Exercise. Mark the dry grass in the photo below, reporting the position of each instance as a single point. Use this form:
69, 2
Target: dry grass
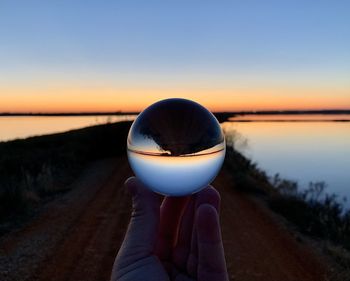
37, 168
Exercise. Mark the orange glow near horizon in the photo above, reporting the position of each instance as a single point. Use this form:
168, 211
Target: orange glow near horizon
104, 99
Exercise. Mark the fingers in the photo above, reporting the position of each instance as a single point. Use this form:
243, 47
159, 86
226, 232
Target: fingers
171, 212
211, 259
209, 196
139, 241
183, 244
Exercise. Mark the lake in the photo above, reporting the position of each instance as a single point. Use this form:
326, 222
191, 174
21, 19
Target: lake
301, 148
15, 127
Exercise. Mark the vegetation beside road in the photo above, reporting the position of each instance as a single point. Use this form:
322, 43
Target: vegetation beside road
37, 168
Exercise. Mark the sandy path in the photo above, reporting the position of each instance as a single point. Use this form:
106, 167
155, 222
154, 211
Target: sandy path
77, 236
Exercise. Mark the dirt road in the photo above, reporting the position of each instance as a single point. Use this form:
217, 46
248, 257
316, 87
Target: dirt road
77, 236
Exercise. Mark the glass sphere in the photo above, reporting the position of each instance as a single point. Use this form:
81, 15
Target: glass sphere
176, 147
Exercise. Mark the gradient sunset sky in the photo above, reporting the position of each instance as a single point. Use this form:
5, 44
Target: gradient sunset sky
124, 55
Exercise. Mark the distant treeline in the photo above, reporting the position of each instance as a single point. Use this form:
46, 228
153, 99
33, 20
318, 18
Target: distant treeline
117, 113
219, 113
293, 112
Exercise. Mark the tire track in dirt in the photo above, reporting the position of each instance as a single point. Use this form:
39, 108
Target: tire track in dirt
89, 250
27, 253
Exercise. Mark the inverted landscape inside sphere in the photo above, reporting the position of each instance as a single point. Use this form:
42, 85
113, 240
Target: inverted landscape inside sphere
177, 127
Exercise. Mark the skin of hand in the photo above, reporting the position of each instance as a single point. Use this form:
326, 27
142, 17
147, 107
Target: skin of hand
177, 238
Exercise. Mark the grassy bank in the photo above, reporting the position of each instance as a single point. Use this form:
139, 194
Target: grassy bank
35, 169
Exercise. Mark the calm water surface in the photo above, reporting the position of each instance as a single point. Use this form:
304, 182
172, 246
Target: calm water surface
309, 150
26, 126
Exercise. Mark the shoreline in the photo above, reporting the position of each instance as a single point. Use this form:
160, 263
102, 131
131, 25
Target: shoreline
221, 117
291, 120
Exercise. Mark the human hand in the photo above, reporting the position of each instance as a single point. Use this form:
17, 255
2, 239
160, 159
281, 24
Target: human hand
178, 239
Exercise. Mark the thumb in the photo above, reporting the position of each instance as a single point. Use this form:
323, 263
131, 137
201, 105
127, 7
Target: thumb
141, 235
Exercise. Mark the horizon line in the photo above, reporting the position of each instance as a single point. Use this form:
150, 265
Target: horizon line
87, 113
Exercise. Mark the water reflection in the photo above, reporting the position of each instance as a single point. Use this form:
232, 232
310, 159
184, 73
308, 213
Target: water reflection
291, 118
12, 127
301, 151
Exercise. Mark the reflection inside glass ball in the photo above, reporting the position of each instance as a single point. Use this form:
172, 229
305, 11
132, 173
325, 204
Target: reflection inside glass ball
176, 147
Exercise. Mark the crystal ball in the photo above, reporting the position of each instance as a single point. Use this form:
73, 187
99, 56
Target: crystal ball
176, 147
